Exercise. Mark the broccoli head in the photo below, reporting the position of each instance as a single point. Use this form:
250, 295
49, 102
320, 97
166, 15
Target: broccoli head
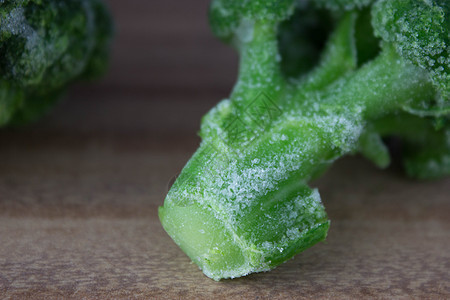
45, 45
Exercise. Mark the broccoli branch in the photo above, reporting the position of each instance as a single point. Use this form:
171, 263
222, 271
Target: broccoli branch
242, 203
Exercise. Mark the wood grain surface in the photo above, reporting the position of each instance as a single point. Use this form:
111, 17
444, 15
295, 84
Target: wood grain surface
79, 190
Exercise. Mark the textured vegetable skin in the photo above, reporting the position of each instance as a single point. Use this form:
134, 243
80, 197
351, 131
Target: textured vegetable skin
44, 46
242, 204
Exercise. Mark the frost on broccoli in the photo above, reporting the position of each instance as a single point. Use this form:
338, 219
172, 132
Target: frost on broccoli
419, 31
242, 203
45, 45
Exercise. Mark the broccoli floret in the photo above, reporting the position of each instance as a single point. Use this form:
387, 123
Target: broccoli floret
45, 45
419, 31
242, 203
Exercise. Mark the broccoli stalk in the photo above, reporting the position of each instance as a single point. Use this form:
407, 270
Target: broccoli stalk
242, 202
44, 46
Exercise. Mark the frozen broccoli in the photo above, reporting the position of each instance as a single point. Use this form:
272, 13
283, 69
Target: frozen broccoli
44, 46
242, 202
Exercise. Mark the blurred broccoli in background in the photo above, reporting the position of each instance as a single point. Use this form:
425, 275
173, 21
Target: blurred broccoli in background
44, 46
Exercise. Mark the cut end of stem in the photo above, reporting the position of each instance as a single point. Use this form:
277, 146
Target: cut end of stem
224, 249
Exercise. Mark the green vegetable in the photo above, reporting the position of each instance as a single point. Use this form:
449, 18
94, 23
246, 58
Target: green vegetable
44, 46
242, 203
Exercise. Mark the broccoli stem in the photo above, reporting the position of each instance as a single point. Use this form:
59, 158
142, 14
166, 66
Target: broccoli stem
426, 149
259, 69
383, 86
242, 203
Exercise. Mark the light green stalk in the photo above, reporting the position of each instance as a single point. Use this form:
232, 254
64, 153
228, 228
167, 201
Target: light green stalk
242, 203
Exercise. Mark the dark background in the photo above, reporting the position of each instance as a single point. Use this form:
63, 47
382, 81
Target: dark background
166, 70
79, 189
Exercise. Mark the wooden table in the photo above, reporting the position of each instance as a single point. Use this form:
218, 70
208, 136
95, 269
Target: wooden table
79, 190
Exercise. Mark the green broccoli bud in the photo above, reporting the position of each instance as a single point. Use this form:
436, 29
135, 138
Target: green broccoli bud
242, 203
46, 44
420, 32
